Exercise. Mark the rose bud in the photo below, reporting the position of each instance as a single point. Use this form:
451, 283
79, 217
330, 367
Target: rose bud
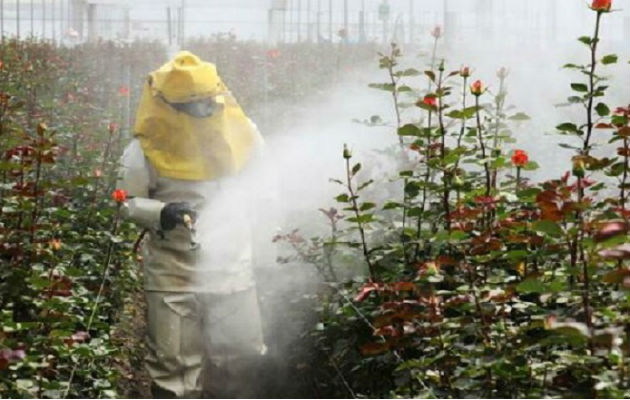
601, 5
520, 158
477, 88
119, 195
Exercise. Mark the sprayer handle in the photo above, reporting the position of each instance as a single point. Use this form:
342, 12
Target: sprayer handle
177, 213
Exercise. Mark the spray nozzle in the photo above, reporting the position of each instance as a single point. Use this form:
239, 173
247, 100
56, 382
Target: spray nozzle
188, 221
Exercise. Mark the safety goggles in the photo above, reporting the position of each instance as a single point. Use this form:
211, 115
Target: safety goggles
198, 109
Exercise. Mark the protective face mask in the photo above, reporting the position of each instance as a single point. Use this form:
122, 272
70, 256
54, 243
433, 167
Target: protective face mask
197, 109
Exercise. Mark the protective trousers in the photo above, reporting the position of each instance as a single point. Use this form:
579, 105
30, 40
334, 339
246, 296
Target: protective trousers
201, 343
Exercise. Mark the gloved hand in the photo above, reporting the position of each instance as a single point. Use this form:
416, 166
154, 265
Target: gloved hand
177, 213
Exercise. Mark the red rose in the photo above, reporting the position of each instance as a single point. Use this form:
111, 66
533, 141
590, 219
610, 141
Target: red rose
520, 158
430, 101
119, 195
601, 5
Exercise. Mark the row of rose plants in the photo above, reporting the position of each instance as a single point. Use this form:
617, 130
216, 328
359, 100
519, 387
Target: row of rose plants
68, 269
479, 282
66, 264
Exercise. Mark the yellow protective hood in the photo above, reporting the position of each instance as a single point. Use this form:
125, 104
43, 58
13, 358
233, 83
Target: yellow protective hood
180, 146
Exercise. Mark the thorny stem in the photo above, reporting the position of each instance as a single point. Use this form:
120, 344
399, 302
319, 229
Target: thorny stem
624, 180
357, 214
394, 82
403, 237
500, 102
579, 252
473, 292
328, 250
572, 260
461, 131
483, 146
38, 172
580, 190
445, 197
427, 177
591, 76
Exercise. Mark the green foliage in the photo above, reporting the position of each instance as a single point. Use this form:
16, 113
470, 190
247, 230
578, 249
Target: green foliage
58, 167
478, 282
65, 114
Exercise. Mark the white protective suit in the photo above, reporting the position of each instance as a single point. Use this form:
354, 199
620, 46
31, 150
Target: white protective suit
204, 325
198, 307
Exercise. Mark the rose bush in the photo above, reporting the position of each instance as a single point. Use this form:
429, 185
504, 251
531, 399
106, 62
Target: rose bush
476, 282
69, 274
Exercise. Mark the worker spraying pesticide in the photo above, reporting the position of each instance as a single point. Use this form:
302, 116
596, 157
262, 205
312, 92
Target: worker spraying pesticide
191, 137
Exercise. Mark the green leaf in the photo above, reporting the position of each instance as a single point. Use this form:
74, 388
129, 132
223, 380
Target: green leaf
390, 205
586, 40
617, 169
579, 87
362, 219
619, 120
610, 59
455, 114
365, 184
409, 130
567, 127
388, 87
531, 166
602, 109
466, 113
408, 72
521, 116
548, 227
576, 332
531, 285
415, 212
356, 168
367, 206
430, 74
343, 198
412, 189
517, 255
457, 236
